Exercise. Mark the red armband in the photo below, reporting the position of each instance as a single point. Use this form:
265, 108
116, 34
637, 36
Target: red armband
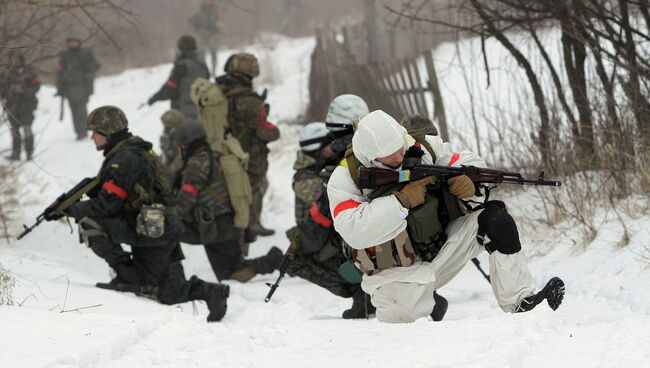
345, 205
194, 191
112, 188
318, 217
171, 84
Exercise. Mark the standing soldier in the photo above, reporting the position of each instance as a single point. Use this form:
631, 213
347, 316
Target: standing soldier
18, 87
247, 120
187, 67
75, 81
205, 208
133, 204
206, 25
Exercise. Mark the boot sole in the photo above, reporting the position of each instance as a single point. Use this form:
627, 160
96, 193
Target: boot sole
440, 308
225, 293
555, 293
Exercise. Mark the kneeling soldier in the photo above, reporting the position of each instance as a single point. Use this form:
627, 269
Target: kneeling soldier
132, 204
206, 210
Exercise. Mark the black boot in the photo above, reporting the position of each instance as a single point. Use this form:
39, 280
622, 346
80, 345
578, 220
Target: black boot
361, 306
267, 263
125, 280
553, 292
29, 146
249, 236
215, 296
15, 148
440, 308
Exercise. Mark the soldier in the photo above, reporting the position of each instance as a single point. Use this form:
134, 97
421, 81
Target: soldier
171, 119
75, 81
206, 25
132, 204
387, 227
247, 120
18, 87
187, 67
206, 211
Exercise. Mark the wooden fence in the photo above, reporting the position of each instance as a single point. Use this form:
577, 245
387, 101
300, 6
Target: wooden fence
399, 87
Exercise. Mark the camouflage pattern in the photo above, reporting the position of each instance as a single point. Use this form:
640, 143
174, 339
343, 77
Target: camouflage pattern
187, 67
18, 87
307, 184
243, 63
323, 273
170, 119
75, 82
247, 120
107, 120
418, 125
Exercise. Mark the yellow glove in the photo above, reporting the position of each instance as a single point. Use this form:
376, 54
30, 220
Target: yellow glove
461, 186
412, 195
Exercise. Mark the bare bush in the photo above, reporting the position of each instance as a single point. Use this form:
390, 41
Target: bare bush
7, 284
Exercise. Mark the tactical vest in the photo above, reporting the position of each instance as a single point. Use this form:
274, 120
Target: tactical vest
425, 227
193, 69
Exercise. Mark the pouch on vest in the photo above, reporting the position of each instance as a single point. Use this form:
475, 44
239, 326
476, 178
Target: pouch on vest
233, 161
426, 229
397, 252
206, 224
151, 221
350, 272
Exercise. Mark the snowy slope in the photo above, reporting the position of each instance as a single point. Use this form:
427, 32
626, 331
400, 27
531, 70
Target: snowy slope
603, 322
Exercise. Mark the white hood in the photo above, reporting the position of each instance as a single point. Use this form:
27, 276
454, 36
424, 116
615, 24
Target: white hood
378, 135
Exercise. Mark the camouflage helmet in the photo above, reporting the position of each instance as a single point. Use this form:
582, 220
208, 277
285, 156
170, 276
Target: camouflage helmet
107, 120
172, 118
186, 43
188, 132
418, 124
244, 63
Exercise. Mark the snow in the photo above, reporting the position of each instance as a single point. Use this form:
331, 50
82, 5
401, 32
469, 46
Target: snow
604, 321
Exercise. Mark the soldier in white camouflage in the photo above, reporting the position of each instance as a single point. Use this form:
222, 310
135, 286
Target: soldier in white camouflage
204, 206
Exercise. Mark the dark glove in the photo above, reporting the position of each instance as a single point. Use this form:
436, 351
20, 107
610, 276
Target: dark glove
412, 195
461, 186
294, 238
53, 216
151, 100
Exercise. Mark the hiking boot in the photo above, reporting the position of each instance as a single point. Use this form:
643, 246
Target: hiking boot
361, 306
216, 299
440, 308
249, 236
258, 229
553, 292
118, 284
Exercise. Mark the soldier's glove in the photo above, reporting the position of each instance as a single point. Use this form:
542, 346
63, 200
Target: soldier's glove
294, 238
53, 216
151, 100
461, 186
412, 195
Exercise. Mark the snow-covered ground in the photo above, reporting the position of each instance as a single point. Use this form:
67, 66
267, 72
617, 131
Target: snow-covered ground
604, 320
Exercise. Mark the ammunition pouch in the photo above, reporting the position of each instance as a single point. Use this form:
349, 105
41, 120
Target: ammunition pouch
397, 252
426, 229
151, 221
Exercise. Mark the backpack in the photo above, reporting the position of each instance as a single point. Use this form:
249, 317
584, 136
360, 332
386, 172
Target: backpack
213, 106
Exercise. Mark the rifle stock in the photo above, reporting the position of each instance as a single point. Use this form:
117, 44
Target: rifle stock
62, 203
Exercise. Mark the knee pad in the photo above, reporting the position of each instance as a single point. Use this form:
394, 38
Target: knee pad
90, 228
497, 225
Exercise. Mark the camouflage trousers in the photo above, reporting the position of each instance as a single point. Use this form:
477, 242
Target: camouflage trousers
323, 273
259, 185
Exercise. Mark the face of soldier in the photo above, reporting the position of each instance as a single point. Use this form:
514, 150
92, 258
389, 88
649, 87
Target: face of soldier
325, 153
99, 139
73, 44
394, 160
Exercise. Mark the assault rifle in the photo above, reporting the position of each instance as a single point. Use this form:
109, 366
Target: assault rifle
63, 202
274, 286
372, 178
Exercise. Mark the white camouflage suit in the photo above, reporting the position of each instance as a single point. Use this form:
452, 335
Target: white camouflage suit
404, 294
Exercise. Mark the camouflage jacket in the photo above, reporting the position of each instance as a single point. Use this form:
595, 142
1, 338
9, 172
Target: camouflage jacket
18, 87
201, 189
307, 185
128, 178
247, 119
187, 68
76, 73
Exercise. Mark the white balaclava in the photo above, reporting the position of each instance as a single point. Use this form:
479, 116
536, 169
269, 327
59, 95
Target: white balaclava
378, 135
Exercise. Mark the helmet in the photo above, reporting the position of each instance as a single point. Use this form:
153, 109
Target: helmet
186, 43
172, 118
244, 63
343, 110
107, 120
419, 124
188, 132
314, 136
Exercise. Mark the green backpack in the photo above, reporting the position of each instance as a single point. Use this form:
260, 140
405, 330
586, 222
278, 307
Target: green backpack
212, 105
